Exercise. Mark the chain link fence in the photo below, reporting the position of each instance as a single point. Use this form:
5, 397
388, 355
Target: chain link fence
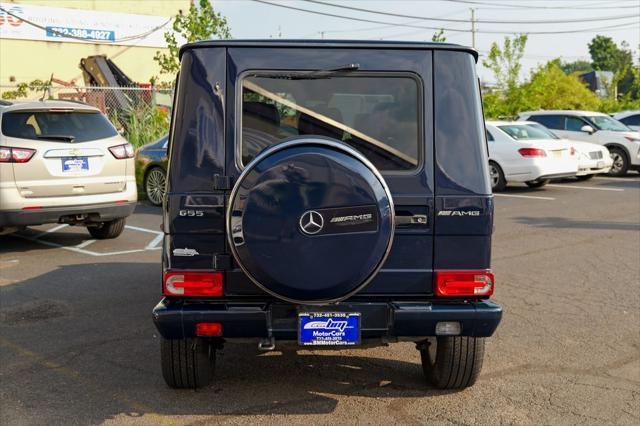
140, 113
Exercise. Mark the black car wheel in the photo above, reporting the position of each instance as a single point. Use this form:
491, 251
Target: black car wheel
107, 230
187, 363
155, 185
498, 182
537, 183
620, 162
452, 362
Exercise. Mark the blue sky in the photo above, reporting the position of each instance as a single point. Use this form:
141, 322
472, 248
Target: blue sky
250, 19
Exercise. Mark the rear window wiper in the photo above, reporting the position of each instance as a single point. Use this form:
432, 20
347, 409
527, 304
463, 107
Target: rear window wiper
66, 138
310, 75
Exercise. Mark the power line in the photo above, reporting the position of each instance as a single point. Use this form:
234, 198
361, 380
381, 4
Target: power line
587, 6
333, 15
479, 21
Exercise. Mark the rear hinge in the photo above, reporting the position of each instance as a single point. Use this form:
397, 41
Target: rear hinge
221, 262
222, 183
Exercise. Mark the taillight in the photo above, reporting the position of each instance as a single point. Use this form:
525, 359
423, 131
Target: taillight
209, 329
193, 283
122, 151
15, 155
573, 151
464, 283
532, 152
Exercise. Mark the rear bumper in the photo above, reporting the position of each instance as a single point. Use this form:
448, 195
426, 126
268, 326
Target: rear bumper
93, 212
176, 319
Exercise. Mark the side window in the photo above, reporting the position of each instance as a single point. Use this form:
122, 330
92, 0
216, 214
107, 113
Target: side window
549, 121
632, 120
490, 136
574, 124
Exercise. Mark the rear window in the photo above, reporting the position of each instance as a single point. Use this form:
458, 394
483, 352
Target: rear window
67, 126
525, 131
632, 120
379, 115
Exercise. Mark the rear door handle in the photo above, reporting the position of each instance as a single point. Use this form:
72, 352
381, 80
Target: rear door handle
411, 220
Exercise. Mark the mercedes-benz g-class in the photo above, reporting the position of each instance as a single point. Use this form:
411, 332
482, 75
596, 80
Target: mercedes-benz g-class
330, 194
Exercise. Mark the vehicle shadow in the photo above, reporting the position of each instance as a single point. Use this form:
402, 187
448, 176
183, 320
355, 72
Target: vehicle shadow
563, 222
85, 331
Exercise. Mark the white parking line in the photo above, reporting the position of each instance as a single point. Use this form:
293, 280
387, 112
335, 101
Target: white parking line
533, 197
54, 229
585, 187
85, 243
80, 248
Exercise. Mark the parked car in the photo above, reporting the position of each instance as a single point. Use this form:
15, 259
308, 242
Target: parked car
631, 119
593, 159
622, 142
346, 202
63, 162
524, 152
151, 169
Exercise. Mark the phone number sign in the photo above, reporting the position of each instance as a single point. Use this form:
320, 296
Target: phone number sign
84, 33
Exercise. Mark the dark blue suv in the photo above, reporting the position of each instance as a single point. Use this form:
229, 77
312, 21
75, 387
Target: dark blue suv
330, 195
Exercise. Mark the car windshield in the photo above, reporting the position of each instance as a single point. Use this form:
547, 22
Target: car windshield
62, 126
526, 131
544, 129
377, 115
604, 122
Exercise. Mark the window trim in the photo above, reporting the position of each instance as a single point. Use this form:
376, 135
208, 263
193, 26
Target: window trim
406, 74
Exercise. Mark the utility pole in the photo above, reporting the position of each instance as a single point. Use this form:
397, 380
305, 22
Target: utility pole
473, 27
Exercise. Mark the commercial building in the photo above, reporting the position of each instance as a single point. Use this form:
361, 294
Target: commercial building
39, 38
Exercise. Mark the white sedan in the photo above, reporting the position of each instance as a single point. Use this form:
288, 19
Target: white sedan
593, 159
521, 152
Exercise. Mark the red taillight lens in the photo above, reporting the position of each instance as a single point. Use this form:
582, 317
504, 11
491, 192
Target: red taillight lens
532, 152
15, 155
122, 151
209, 329
191, 283
464, 283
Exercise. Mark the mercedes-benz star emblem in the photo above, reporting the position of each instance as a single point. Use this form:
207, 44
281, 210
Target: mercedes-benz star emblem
311, 222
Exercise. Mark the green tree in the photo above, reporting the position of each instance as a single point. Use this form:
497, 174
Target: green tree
580, 66
439, 36
607, 56
507, 98
200, 23
505, 61
550, 88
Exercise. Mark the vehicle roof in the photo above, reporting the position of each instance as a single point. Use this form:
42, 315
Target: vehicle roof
505, 123
328, 44
564, 111
45, 104
623, 114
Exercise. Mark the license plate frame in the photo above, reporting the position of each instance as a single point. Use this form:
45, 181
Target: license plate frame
329, 328
75, 164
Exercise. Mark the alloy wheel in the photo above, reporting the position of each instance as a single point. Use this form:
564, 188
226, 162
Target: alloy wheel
155, 186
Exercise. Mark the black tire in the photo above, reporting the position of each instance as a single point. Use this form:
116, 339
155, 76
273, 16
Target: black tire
107, 230
537, 183
584, 177
454, 363
187, 363
620, 162
155, 183
496, 176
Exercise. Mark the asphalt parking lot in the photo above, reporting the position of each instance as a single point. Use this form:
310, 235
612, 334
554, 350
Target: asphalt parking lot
77, 344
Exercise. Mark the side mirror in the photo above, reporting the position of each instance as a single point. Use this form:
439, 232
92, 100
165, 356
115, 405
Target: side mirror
587, 129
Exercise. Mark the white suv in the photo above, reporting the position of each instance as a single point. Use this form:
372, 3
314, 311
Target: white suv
622, 142
63, 162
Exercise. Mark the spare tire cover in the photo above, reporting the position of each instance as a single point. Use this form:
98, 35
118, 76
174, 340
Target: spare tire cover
310, 221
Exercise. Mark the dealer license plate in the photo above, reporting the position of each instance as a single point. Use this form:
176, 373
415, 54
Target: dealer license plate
329, 328
75, 164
